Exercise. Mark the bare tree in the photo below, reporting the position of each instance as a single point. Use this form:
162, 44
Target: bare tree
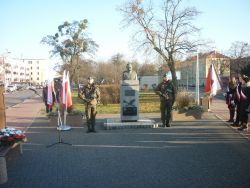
239, 49
169, 31
118, 64
103, 72
148, 69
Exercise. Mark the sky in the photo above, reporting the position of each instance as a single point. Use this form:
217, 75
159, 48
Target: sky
24, 24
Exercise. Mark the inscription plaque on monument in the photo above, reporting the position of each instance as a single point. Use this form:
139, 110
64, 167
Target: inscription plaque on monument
129, 111
129, 93
129, 100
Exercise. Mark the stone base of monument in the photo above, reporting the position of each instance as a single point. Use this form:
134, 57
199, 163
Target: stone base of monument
116, 123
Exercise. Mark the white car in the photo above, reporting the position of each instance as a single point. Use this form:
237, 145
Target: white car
11, 88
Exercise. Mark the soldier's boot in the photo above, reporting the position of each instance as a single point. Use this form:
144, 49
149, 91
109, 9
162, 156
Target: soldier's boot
242, 127
93, 126
163, 123
167, 123
89, 127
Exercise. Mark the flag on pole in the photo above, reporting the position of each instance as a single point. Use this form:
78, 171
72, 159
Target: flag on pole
212, 83
66, 91
63, 88
50, 91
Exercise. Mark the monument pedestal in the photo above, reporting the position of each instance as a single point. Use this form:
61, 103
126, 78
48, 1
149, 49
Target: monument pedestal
116, 123
129, 100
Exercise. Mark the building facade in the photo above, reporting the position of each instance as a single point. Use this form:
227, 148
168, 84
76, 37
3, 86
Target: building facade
31, 71
149, 82
188, 67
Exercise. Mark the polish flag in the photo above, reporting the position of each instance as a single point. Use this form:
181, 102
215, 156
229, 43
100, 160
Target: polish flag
212, 83
66, 91
51, 90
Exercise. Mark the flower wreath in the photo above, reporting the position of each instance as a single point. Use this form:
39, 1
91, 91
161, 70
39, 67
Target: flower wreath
10, 136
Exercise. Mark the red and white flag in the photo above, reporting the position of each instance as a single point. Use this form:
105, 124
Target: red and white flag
51, 90
66, 91
212, 83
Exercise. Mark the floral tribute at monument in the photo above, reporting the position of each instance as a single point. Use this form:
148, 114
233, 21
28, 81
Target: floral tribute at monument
10, 136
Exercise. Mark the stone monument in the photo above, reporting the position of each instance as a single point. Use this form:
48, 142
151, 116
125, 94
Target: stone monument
129, 95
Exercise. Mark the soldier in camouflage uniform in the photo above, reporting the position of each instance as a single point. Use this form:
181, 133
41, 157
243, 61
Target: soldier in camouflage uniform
91, 96
167, 97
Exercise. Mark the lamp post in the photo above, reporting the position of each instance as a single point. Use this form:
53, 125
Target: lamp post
187, 79
197, 76
2, 72
4, 56
197, 88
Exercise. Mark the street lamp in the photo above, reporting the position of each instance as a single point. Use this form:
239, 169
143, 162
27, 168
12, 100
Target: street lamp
197, 89
2, 67
197, 76
187, 78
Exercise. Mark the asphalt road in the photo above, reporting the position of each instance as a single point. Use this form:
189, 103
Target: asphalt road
188, 154
17, 97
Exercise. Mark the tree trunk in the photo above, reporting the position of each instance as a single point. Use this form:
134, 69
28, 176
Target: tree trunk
171, 65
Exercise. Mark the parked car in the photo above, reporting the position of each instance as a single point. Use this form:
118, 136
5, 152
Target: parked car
11, 88
32, 87
1, 83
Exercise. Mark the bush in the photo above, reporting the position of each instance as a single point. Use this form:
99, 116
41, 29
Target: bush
110, 94
183, 100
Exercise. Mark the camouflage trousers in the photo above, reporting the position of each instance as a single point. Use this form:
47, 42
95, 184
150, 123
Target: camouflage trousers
90, 112
166, 111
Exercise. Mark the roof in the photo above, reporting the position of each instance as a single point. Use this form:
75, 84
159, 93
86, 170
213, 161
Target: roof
211, 54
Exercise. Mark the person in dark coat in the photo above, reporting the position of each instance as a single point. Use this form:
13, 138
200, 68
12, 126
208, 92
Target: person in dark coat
231, 97
45, 99
237, 122
244, 101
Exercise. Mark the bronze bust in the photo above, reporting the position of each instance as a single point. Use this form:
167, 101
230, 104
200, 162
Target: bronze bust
129, 74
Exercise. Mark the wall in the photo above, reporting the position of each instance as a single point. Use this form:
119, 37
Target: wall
146, 82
